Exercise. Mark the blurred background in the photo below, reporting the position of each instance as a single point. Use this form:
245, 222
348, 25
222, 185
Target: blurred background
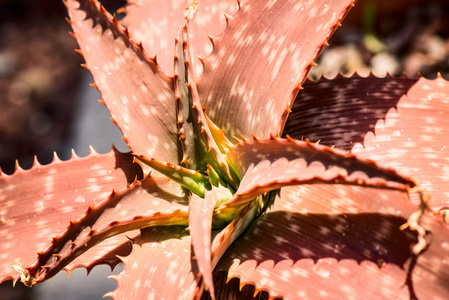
46, 104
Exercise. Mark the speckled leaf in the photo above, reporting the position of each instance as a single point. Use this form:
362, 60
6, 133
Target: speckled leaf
152, 202
257, 65
104, 253
266, 165
402, 123
341, 111
342, 243
155, 23
37, 204
223, 239
160, 267
199, 147
200, 228
140, 98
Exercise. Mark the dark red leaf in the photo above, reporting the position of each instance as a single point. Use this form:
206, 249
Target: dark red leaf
398, 122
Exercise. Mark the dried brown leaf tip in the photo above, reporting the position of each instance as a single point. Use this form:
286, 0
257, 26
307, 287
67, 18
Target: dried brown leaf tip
285, 216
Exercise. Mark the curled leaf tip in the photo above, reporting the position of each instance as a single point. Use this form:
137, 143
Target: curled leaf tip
25, 276
413, 222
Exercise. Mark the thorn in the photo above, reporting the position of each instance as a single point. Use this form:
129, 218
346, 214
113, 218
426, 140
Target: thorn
140, 46
237, 141
227, 18
211, 39
254, 136
35, 162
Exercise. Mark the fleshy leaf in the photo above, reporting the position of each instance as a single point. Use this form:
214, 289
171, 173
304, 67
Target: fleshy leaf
233, 230
200, 149
160, 266
191, 180
138, 95
105, 253
57, 195
141, 205
322, 237
259, 62
166, 17
402, 123
341, 111
265, 165
200, 220
200, 228
219, 136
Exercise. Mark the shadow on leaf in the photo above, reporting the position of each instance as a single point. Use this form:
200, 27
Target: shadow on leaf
340, 112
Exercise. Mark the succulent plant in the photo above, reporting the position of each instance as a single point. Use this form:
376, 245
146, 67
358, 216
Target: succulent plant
226, 155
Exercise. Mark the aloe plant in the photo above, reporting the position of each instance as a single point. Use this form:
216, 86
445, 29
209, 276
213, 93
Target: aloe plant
217, 186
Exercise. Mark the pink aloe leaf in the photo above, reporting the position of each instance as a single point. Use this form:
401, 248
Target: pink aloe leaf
56, 196
163, 18
321, 238
138, 95
263, 56
160, 266
341, 111
200, 228
234, 229
265, 165
152, 202
199, 147
105, 253
398, 122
